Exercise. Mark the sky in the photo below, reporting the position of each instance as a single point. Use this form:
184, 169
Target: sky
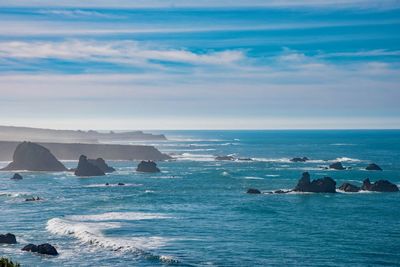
186, 64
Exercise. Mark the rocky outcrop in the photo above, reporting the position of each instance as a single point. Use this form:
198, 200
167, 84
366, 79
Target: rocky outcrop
224, 158
16, 176
85, 168
253, 191
373, 167
33, 157
147, 166
46, 249
336, 166
347, 187
379, 186
303, 159
33, 199
8, 239
100, 163
324, 185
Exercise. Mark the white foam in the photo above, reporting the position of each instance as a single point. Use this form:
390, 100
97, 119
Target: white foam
195, 157
346, 159
113, 185
225, 173
131, 216
253, 178
342, 144
272, 175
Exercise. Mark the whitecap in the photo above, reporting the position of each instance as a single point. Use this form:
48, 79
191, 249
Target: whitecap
272, 175
253, 178
112, 185
195, 157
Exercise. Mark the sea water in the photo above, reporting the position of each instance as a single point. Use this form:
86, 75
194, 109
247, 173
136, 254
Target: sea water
196, 211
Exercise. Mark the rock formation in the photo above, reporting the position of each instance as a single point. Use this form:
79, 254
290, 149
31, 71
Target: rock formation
8, 239
16, 176
347, 187
102, 165
85, 168
147, 166
324, 185
33, 157
46, 249
336, 166
379, 186
303, 159
373, 167
253, 191
224, 158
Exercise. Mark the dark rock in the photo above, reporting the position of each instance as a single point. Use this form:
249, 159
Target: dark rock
121, 184
8, 239
33, 157
336, 166
379, 186
107, 184
224, 158
303, 159
245, 159
253, 191
347, 187
147, 166
33, 199
100, 163
46, 249
16, 176
373, 167
85, 168
282, 191
324, 185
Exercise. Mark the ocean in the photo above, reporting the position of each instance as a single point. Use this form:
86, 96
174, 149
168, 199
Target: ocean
196, 211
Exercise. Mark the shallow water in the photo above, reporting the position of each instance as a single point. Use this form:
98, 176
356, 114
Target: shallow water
196, 211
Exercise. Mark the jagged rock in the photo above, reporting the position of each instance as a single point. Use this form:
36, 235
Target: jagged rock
347, 187
336, 166
147, 166
8, 239
280, 191
373, 167
324, 185
253, 191
303, 159
16, 176
224, 158
33, 157
33, 199
102, 165
46, 249
85, 168
379, 186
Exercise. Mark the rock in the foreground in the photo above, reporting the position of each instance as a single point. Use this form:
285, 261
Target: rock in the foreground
253, 191
85, 168
16, 176
147, 166
373, 167
379, 186
33, 157
324, 185
347, 187
100, 163
303, 159
46, 249
336, 166
8, 239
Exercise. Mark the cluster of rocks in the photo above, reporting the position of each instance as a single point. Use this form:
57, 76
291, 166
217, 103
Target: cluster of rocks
46, 248
147, 166
328, 185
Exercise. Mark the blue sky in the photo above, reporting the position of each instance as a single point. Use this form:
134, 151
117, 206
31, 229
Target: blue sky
200, 64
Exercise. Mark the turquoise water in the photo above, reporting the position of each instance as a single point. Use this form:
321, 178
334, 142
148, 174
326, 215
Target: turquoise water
196, 212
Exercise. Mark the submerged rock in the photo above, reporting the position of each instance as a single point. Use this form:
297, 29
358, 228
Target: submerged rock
280, 191
336, 166
373, 167
324, 185
245, 159
379, 186
46, 249
16, 176
253, 191
303, 159
33, 157
147, 166
85, 168
8, 239
347, 187
100, 163
33, 199
224, 158
121, 184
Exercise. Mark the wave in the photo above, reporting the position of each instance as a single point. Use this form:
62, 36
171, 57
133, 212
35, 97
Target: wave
253, 178
195, 157
112, 185
342, 144
272, 175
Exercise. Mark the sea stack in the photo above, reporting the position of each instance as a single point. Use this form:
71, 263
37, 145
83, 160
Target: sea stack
379, 186
85, 168
16, 176
324, 185
100, 163
8, 239
33, 157
373, 167
46, 249
147, 166
337, 166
